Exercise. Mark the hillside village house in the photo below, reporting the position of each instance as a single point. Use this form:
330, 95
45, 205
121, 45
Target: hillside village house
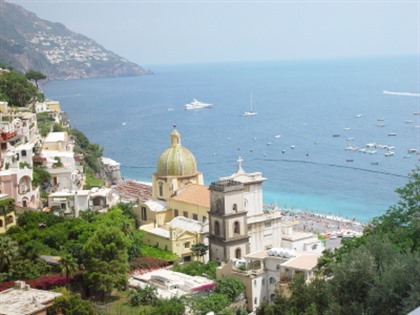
7, 213
23, 300
72, 202
57, 149
18, 137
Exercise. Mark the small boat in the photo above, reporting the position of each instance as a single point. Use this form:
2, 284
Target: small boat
358, 115
392, 134
380, 125
346, 128
336, 135
374, 163
350, 139
389, 153
197, 105
352, 148
349, 160
250, 112
124, 123
409, 121
277, 136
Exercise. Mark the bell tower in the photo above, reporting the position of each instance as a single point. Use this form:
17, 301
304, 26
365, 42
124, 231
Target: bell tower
228, 230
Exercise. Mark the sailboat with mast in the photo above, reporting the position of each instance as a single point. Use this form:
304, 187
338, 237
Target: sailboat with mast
251, 112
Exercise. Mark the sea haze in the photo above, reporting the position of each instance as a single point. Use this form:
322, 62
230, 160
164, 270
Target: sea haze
319, 108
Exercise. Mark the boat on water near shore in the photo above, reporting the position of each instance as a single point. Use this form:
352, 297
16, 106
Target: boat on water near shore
197, 105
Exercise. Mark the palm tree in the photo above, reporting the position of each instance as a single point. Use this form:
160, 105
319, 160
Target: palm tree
68, 265
8, 251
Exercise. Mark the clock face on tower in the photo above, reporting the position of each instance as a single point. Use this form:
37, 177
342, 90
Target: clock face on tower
245, 203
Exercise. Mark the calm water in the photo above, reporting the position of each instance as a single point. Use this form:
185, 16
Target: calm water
307, 103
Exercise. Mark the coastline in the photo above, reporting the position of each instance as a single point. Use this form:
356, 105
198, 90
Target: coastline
306, 221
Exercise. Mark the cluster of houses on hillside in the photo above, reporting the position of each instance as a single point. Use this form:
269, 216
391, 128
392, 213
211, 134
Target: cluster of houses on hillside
23, 149
251, 241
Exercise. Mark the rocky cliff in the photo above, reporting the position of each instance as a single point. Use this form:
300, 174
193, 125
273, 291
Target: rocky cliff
30, 43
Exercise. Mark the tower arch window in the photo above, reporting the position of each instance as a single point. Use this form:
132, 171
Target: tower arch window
161, 189
236, 227
238, 253
217, 228
235, 207
272, 280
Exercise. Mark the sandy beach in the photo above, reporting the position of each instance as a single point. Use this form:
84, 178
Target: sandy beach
327, 225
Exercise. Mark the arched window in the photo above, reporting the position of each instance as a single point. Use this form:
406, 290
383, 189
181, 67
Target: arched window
216, 228
238, 253
255, 301
236, 227
235, 207
278, 267
10, 219
272, 280
272, 297
1, 223
160, 189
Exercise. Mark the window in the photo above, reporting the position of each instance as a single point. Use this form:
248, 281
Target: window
236, 228
186, 214
272, 297
187, 244
10, 219
204, 218
278, 267
263, 281
176, 213
238, 253
267, 224
23, 152
255, 301
235, 207
272, 280
143, 213
1, 223
161, 189
216, 228
195, 216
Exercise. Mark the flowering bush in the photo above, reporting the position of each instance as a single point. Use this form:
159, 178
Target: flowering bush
43, 283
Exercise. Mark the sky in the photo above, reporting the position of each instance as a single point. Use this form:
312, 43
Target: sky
175, 32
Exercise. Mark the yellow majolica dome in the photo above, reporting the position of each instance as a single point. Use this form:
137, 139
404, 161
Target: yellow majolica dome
176, 160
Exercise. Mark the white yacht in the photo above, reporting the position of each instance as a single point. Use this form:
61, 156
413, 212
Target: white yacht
197, 105
251, 112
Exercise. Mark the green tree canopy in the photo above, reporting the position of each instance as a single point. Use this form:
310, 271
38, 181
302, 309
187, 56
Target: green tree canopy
71, 304
17, 90
229, 286
106, 260
36, 76
9, 250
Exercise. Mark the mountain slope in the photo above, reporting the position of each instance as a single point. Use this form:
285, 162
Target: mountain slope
30, 43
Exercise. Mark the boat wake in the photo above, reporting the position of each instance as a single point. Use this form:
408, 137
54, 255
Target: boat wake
402, 93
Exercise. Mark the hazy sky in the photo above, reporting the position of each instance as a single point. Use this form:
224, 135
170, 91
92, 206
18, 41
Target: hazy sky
160, 32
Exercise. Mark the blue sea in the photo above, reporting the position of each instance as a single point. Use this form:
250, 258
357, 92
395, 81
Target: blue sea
316, 109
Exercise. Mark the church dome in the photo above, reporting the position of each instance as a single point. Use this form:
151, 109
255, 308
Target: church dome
176, 160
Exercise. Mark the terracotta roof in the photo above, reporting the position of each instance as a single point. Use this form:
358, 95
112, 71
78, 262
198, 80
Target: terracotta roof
193, 194
133, 189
